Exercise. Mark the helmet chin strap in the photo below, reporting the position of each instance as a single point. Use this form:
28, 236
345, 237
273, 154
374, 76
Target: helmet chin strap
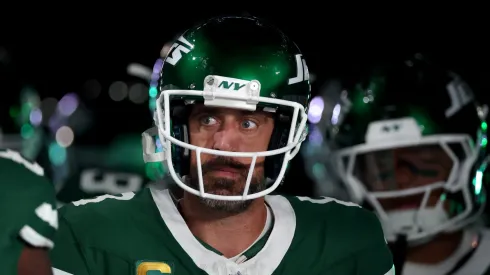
413, 222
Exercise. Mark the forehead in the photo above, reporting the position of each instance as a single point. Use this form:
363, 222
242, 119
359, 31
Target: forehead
202, 109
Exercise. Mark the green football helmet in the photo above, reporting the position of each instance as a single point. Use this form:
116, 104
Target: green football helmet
408, 139
233, 62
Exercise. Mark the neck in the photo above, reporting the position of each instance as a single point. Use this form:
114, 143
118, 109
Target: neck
436, 250
228, 233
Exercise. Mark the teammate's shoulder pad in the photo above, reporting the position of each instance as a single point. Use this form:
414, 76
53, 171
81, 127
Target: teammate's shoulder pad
322, 204
24, 180
95, 209
18, 165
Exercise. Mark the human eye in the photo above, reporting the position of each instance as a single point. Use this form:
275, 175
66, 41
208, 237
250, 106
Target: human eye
248, 124
208, 120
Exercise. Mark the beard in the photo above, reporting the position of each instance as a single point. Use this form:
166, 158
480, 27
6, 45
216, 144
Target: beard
227, 186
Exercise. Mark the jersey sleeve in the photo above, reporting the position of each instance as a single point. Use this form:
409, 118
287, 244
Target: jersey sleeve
41, 223
27, 202
67, 257
36, 209
375, 258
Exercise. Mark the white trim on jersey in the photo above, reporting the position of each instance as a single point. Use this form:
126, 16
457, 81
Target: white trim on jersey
46, 213
267, 260
60, 272
35, 239
390, 272
325, 200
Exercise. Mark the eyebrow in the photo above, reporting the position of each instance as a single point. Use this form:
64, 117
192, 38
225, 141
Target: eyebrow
216, 111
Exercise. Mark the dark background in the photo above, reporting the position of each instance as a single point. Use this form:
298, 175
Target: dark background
57, 49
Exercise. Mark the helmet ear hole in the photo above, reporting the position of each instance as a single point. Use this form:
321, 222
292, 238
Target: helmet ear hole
279, 139
179, 120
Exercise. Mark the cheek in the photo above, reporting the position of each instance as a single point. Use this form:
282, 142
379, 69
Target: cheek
201, 140
198, 138
193, 158
257, 143
261, 144
195, 138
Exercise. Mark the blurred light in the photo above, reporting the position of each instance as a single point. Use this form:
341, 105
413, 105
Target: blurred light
477, 181
55, 122
315, 137
159, 145
140, 71
153, 92
26, 131
319, 170
138, 93
152, 104
65, 136
68, 104
335, 114
92, 88
48, 106
36, 117
57, 154
482, 111
30, 97
118, 91
157, 67
154, 78
25, 111
316, 109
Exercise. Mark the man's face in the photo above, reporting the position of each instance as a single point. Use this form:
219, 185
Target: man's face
228, 130
406, 168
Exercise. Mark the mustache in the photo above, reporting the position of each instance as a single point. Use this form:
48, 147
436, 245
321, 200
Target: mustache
219, 162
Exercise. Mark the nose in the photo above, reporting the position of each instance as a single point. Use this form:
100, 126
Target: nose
227, 138
405, 173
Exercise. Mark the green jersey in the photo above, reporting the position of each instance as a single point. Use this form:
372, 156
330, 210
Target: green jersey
27, 209
145, 234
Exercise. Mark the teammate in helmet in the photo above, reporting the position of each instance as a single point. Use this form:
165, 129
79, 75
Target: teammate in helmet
29, 216
230, 116
409, 140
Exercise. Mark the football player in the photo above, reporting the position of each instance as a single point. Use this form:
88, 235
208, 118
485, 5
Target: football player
29, 216
230, 116
409, 141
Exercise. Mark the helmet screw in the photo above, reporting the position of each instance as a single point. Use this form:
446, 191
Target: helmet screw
210, 81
